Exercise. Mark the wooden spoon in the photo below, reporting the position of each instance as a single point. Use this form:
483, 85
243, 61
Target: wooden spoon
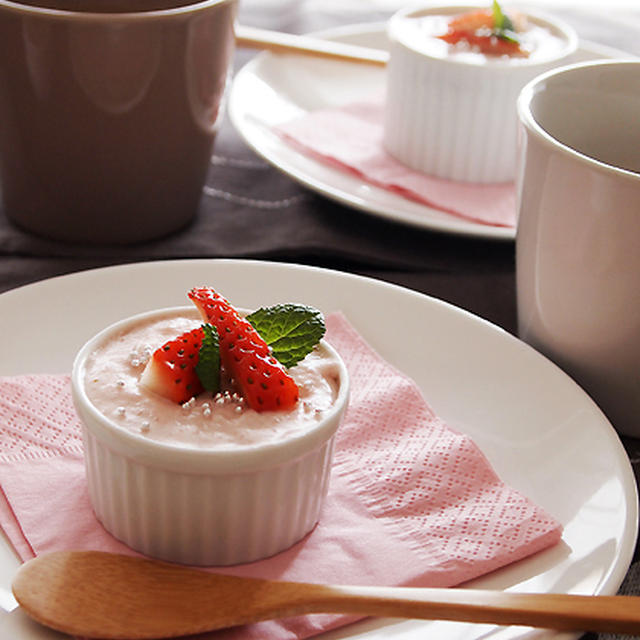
101, 595
279, 42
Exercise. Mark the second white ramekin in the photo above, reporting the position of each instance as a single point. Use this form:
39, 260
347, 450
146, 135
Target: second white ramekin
199, 506
453, 119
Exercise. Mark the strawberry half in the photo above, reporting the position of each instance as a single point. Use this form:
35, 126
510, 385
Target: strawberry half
171, 370
262, 380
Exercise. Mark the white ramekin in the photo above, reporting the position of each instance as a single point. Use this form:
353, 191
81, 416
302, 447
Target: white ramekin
453, 119
199, 506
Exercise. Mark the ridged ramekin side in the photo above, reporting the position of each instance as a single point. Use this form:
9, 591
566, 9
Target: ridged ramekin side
202, 519
452, 122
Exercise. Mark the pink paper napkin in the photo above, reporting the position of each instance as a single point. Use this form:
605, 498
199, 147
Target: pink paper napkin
411, 502
350, 138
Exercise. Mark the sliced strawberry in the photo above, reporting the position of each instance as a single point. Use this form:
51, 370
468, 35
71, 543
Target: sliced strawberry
171, 371
262, 380
472, 21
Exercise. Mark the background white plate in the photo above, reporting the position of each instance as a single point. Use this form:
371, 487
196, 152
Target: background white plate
272, 89
542, 433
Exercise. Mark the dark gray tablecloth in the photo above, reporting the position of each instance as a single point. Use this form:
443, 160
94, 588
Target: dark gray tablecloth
255, 211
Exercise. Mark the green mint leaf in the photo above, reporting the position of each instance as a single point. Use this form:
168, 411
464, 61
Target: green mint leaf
507, 24
208, 367
510, 36
291, 330
498, 16
503, 27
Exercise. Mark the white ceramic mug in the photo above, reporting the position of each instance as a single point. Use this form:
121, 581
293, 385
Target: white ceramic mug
578, 237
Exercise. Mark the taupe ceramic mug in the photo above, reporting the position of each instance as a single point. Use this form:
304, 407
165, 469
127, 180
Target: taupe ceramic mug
578, 236
108, 113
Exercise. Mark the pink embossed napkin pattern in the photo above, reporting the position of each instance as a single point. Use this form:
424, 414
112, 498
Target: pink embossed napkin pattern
349, 138
412, 501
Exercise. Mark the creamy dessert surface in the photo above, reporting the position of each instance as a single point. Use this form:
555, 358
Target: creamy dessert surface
220, 421
421, 32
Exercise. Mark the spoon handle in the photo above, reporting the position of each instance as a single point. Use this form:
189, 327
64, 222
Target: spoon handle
278, 42
102, 595
618, 614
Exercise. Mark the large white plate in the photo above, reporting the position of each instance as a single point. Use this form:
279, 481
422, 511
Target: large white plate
272, 89
542, 433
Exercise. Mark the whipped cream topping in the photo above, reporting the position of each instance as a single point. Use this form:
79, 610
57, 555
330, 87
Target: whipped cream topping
220, 421
540, 42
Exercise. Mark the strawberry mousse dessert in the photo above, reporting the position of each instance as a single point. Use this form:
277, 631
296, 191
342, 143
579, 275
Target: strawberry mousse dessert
454, 75
208, 431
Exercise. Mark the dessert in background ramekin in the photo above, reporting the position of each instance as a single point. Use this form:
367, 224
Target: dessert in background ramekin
451, 110
202, 501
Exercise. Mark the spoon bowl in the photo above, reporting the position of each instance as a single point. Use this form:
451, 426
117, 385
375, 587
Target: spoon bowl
110, 596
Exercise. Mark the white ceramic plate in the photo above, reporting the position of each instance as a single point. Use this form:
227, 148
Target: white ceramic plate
543, 435
272, 89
